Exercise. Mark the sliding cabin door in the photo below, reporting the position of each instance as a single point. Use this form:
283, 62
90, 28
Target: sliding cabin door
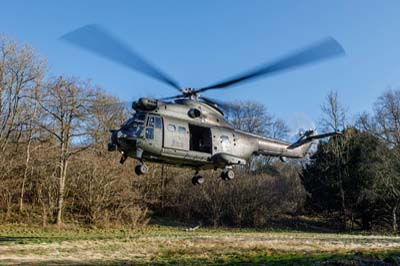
176, 137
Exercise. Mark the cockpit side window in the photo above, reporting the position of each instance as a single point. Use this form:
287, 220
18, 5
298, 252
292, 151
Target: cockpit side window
149, 133
150, 122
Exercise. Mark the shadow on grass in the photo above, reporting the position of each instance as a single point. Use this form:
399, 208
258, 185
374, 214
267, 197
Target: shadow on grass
7, 240
18, 239
381, 259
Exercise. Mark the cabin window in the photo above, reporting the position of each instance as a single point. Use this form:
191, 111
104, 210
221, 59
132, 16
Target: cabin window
182, 130
149, 133
224, 139
158, 122
171, 128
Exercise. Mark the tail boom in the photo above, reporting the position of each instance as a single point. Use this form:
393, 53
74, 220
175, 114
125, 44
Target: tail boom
299, 149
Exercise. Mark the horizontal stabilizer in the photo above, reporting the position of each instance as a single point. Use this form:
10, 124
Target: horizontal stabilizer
311, 135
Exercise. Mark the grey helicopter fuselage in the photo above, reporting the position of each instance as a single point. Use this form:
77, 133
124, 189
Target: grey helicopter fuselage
194, 134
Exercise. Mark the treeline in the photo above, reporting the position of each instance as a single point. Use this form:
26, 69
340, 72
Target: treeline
55, 169
354, 179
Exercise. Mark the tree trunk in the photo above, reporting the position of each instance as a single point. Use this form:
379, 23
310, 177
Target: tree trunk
394, 221
163, 183
9, 205
28, 155
365, 222
44, 216
343, 207
342, 194
61, 184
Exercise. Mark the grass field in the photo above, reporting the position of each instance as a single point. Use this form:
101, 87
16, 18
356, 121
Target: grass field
173, 245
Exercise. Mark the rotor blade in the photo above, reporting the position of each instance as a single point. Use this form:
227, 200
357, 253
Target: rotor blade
213, 101
322, 50
99, 41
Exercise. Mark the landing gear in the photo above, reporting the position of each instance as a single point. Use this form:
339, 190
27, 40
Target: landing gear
123, 158
141, 169
197, 179
227, 174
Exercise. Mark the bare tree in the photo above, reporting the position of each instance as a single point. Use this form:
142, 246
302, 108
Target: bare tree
387, 117
334, 113
65, 119
31, 130
20, 72
106, 113
21, 75
335, 120
249, 116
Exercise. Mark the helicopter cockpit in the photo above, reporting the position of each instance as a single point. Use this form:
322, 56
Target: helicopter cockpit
135, 125
126, 137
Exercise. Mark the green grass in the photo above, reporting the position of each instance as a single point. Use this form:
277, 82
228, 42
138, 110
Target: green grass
168, 245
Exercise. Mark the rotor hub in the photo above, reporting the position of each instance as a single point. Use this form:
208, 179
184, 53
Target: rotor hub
190, 93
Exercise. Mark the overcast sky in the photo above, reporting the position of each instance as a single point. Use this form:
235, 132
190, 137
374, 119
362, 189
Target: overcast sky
202, 42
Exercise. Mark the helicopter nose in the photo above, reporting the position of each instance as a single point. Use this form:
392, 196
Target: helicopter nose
121, 140
113, 145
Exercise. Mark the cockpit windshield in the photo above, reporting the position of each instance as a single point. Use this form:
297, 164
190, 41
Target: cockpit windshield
134, 126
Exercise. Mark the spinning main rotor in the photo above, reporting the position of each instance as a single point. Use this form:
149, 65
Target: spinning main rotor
101, 42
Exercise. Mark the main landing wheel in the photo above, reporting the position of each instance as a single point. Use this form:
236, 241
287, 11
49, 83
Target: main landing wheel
197, 180
141, 169
228, 175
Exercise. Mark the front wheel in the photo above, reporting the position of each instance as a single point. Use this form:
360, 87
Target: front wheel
141, 169
228, 175
197, 180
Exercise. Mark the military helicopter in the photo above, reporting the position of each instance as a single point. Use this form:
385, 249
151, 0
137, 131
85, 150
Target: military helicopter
188, 129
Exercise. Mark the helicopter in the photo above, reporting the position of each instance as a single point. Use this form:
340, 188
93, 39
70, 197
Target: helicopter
188, 129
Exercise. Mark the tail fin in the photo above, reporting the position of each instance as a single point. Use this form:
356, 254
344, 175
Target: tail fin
309, 136
303, 144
